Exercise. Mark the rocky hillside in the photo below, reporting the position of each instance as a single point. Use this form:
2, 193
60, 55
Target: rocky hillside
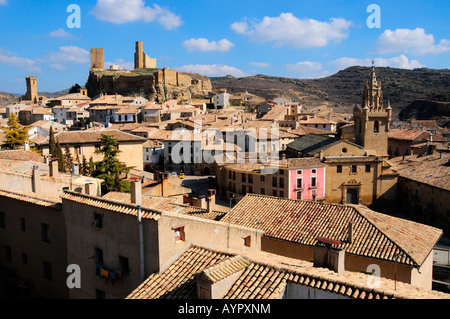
160, 84
343, 89
427, 110
7, 98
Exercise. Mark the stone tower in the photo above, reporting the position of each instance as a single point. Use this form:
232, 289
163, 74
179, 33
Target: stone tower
97, 58
372, 120
32, 93
142, 60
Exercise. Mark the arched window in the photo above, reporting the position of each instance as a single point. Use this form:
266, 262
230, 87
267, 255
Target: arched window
376, 127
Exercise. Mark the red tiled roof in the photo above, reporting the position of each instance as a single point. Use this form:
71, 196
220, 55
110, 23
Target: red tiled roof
264, 276
409, 134
302, 222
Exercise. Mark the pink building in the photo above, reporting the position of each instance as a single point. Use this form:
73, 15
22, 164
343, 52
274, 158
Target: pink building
307, 181
294, 178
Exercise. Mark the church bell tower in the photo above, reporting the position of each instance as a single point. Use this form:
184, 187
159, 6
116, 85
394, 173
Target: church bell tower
372, 120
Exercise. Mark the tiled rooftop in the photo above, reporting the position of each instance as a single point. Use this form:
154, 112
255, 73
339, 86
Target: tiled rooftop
69, 137
108, 204
409, 134
265, 276
40, 200
432, 169
375, 235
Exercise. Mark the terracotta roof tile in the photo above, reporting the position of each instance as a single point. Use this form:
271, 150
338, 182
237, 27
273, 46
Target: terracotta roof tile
375, 235
264, 276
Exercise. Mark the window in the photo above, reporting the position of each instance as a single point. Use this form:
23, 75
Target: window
263, 178
376, 126
98, 221
179, 234
24, 259
45, 233
250, 178
314, 171
244, 190
124, 265
47, 267
274, 182
250, 189
339, 169
281, 194
354, 168
247, 241
22, 224
243, 177
263, 191
281, 171
77, 149
8, 254
281, 182
2, 220
299, 172
313, 181
98, 255
274, 193
299, 183
367, 168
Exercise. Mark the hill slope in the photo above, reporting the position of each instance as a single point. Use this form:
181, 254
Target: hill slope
343, 89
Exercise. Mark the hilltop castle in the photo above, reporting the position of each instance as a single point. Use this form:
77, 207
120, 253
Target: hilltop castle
141, 60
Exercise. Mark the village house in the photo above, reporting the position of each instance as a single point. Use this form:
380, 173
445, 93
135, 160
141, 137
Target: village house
296, 178
401, 142
85, 143
424, 187
125, 240
364, 237
202, 272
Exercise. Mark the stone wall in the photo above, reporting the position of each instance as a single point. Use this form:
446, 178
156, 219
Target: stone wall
160, 84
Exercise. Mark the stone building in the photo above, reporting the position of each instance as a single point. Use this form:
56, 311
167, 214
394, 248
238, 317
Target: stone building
86, 143
32, 93
142, 60
372, 120
97, 58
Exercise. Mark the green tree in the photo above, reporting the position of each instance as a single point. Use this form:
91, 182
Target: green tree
68, 159
16, 134
110, 168
59, 155
52, 143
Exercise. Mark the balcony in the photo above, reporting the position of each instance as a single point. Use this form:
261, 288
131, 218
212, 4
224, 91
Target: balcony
110, 274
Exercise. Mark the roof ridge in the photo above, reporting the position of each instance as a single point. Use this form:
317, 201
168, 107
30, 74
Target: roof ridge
399, 247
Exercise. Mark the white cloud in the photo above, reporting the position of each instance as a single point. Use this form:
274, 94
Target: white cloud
304, 66
212, 70
260, 64
287, 29
411, 41
123, 11
58, 66
12, 59
205, 45
69, 54
401, 62
3, 2
307, 69
60, 33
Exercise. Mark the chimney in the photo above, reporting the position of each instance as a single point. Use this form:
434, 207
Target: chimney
89, 189
36, 180
326, 256
211, 200
75, 168
350, 232
165, 186
136, 193
54, 167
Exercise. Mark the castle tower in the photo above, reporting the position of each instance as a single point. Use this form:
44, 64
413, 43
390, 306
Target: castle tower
142, 60
97, 58
372, 120
32, 93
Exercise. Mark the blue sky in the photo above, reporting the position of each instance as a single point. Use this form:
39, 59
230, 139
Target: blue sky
299, 39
